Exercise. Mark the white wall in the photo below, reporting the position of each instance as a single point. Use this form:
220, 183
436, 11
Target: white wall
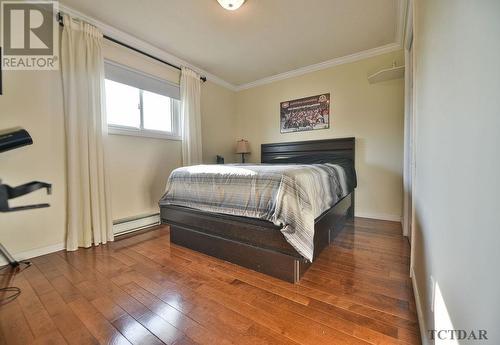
457, 239
373, 113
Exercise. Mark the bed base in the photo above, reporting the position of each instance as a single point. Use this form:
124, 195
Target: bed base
251, 243
258, 244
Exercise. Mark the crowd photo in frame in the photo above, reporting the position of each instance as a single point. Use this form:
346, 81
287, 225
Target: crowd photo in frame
305, 114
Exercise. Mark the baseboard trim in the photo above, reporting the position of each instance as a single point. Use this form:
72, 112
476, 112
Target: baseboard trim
379, 216
34, 253
418, 303
127, 225
120, 227
124, 226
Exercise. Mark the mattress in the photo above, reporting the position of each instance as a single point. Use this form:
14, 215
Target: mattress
290, 196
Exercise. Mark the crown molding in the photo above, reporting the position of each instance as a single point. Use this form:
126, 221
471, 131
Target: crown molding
322, 65
124, 37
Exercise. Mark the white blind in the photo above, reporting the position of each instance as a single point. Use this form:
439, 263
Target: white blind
143, 81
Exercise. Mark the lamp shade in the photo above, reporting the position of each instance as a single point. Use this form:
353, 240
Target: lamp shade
242, 146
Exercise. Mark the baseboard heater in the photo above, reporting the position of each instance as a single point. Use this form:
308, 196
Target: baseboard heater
130, 224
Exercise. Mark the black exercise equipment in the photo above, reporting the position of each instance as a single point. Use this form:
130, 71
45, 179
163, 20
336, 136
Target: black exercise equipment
10, 140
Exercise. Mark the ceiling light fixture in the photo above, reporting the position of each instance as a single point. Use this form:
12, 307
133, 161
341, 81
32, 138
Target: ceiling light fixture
231, 5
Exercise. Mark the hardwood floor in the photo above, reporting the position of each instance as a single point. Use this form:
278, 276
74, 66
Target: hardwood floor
142, 290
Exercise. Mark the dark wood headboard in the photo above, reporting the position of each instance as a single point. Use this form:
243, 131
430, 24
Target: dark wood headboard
296, 152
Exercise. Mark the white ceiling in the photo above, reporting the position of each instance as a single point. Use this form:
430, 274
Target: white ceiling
261, 39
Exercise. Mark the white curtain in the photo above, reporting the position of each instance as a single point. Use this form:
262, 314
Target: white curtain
191, 117
88, 207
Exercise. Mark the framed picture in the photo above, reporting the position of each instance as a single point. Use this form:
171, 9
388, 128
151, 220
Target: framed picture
305, 114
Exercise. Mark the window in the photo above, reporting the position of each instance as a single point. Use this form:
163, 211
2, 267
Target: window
122, 105
140, 104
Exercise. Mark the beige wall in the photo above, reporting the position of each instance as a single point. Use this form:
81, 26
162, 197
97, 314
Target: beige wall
457, 235
138, 167
218, 108
371, 113
33, 100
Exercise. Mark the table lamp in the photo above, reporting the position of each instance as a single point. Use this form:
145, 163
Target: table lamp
242, 147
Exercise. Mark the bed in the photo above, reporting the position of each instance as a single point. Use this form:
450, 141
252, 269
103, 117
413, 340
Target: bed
260, 244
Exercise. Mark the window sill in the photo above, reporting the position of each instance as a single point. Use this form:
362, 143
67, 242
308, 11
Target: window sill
142, 133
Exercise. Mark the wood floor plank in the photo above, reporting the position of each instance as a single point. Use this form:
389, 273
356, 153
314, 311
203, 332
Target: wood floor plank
256, 295
285, 283
185, 286
14, 326
297, 329
200, 326
98, 326
163, 330
135, 332
144, 290
308, 333
54, 338
318, 294
70, 326
34, 311
219, 320
185, 341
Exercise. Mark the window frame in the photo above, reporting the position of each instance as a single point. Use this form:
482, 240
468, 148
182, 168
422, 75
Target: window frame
175, 134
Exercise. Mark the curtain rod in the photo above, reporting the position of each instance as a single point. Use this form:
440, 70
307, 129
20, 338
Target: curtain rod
202, 78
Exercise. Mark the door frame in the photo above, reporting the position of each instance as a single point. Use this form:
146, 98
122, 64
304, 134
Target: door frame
409, 132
